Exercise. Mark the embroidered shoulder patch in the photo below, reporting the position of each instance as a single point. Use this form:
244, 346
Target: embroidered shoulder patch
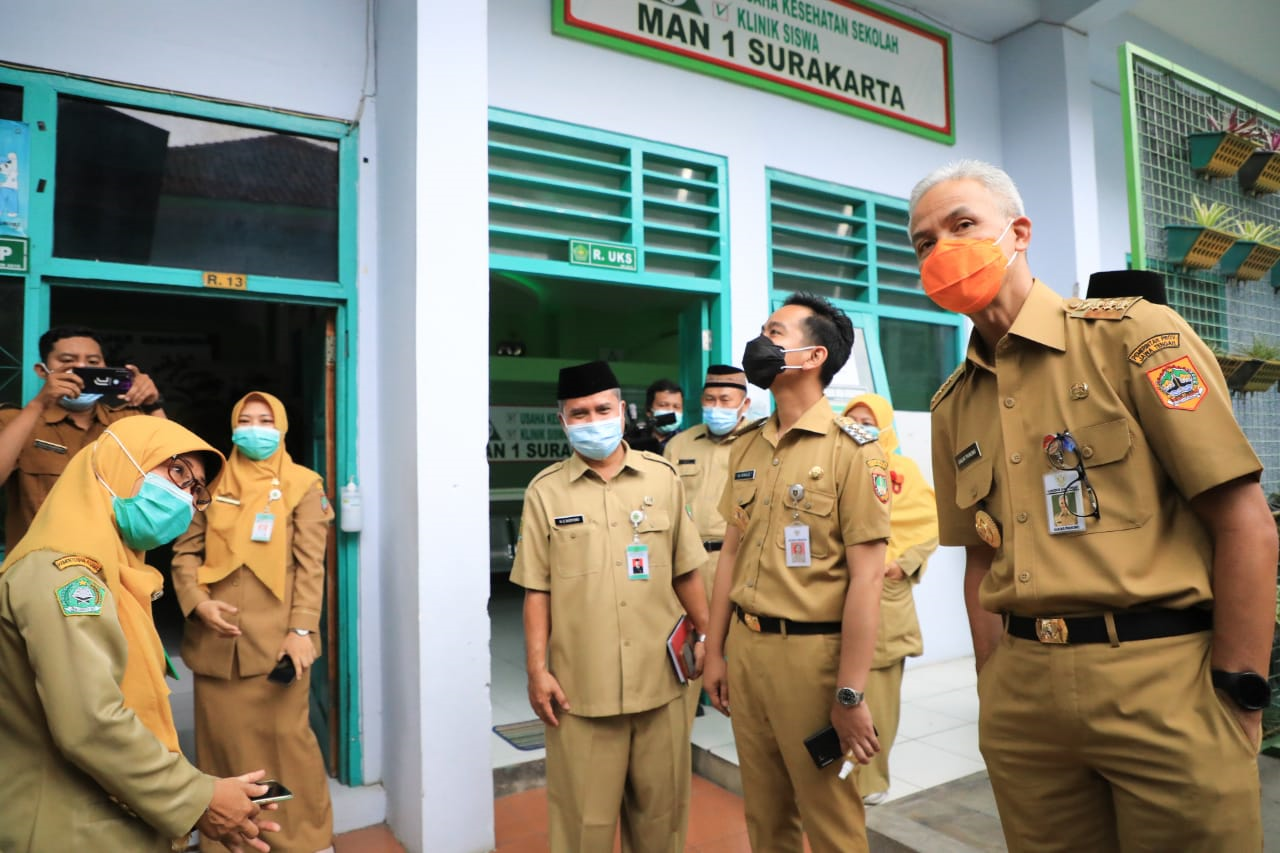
1103, 309
75, 561
880, 484
854, 430
946, 387
81, 597
1178, 384
1153, 345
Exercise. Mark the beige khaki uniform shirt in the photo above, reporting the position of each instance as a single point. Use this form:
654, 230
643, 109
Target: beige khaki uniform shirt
263, 619
44, 457
74, 758
608, 645
1146, 403
845, 502
702, 461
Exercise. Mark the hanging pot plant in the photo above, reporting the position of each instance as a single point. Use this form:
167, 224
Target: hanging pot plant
1262, 371
1231, 365
1253, 255
1201, 245
1221, 151
1260, 173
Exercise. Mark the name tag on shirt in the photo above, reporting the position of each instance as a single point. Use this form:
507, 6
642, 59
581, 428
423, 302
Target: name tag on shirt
1064, 500
561, 521
263, 523
638, 562
796, 537
49, 445
745, 475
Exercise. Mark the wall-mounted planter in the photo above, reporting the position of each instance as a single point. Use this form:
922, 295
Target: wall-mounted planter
1263, 378
1231, 365
1260, 173
1249, 261
1218, 154
1194, 246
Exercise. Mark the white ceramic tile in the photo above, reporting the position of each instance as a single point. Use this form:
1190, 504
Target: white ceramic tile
712, 730
962, 741
917, 722
961, 704
917, 763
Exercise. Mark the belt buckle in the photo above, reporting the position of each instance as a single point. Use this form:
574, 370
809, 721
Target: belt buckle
1052, 631
751, 620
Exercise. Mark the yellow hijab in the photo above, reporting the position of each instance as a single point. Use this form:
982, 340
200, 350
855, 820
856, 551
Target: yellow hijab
913, 516
77, 518
229, 543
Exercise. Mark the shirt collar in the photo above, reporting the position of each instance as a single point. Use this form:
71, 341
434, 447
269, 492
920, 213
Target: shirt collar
1041, 320
577, 467
818, 418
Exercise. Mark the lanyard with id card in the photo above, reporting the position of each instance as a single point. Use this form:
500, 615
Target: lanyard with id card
637, 551
264, 522
796, 534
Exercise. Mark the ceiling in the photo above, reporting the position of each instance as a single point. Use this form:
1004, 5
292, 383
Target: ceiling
1241, 34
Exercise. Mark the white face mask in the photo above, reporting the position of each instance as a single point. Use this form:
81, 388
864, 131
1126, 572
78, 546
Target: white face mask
83, 403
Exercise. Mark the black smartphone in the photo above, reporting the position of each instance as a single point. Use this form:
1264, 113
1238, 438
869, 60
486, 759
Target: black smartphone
824, 746
275, 793
105, 380
284, 673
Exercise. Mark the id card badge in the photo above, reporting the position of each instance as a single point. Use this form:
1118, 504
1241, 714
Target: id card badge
638, 562
1064, 502
796, 537
263, 522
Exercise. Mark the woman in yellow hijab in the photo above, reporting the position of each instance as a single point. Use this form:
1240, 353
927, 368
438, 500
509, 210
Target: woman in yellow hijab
250, 577
913, 537
90, 749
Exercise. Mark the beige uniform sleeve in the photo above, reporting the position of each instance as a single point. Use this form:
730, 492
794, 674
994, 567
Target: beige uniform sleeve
532, 567
311, 518
863, 516
955, 525
76, 661
688, 553
188, 557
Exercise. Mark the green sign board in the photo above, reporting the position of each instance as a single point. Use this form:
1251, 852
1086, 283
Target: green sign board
13, 254
612, 256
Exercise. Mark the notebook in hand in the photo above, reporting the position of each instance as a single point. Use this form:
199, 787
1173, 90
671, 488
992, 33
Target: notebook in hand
680, 649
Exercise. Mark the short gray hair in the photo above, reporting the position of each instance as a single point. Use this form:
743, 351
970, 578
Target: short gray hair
995, 179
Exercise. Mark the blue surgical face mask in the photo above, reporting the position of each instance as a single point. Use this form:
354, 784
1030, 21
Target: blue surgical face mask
256, 442
719, 421
160, 512
83, 403
667, 429
595, 440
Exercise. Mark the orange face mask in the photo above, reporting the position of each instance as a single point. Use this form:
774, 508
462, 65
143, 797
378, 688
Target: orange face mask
964, 275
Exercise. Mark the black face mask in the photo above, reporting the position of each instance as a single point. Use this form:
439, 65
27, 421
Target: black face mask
762, 361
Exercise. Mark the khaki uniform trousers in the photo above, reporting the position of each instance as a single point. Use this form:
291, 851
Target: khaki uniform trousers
884, 699
780, 691
1116, 748
634, 766
693, 696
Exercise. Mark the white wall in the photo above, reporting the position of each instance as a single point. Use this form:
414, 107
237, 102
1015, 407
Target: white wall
533, 71
298, 54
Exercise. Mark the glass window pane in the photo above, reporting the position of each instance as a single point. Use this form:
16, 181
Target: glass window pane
11, 293
918, 357
142, 187
11, 103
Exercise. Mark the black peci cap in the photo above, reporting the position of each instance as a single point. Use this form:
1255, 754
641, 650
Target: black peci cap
583, 380
1114, 283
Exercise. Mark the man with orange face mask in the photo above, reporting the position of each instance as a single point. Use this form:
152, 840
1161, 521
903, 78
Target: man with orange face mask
1119, 641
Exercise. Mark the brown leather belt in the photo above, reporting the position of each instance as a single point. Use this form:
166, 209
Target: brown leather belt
1131, 625
776, 625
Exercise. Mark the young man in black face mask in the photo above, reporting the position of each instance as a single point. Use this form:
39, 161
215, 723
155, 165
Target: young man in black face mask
797, 589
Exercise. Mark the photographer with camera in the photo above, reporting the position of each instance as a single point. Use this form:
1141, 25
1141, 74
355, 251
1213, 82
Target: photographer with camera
39, 439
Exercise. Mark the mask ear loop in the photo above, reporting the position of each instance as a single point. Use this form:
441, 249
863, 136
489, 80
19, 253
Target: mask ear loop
1012, 257
94, 460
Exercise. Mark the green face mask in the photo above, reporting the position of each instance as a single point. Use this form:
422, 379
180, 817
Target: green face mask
256, 442
160, 512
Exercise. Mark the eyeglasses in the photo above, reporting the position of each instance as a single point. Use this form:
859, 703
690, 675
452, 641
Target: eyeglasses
179, 471
1065, 456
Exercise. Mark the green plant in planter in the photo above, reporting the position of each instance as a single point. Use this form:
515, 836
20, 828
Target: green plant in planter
1256, 232
1253, 255
1264, 369
1260, 172
1220, 152
1233, 122
1202, 244
1216, 216
1263, 349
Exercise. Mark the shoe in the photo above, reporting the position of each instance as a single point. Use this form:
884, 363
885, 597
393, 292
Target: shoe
875, 799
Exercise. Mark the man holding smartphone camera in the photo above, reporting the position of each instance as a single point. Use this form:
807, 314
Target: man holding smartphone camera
39, 439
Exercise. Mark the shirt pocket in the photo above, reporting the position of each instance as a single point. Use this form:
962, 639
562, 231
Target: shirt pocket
655, 533
575, 550
39, 462
814, 511
973, 483
1106, 451
691, 468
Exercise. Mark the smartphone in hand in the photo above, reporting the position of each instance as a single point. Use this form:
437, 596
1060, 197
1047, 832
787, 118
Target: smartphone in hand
284, 673
105, 380
275, 793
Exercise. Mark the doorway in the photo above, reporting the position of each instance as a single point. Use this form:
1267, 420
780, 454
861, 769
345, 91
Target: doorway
204, 353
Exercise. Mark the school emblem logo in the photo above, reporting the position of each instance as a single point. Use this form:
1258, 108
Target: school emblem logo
1178, 384
81, 597
880, 483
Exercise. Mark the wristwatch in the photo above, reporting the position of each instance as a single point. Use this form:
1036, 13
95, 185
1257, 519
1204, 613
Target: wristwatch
849, 697
302, 632
1248, 690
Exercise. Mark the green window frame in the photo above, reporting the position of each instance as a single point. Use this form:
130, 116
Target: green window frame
853, 246
41, 91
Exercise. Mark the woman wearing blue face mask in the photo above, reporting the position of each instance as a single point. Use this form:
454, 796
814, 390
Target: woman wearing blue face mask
84, 709
250, 578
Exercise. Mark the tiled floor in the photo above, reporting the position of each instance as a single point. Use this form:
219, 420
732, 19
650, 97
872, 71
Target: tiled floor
937, 736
